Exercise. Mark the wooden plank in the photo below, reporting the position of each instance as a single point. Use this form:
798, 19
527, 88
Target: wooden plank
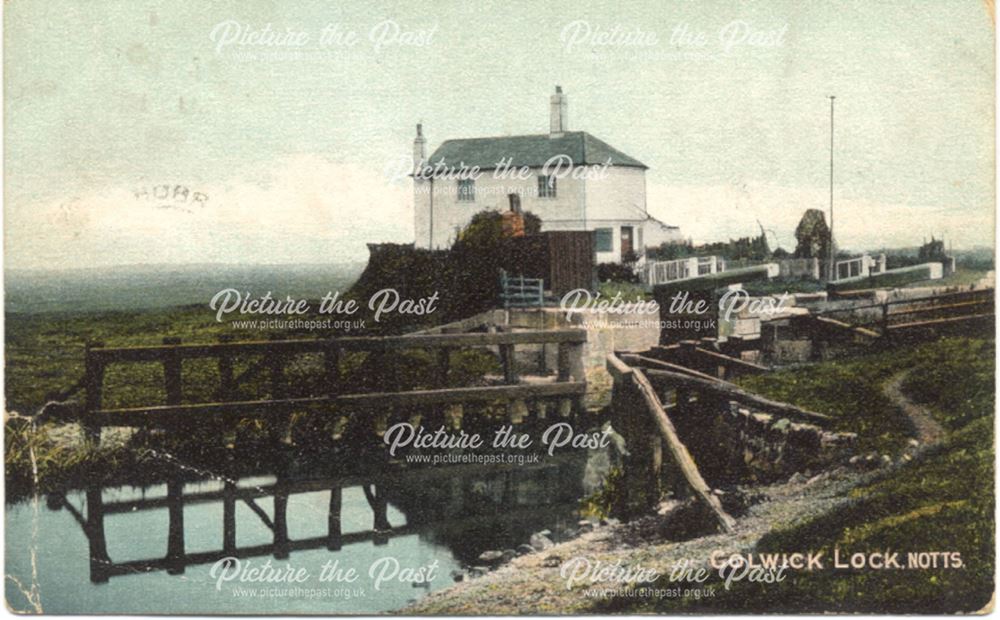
619, 370
680, 455
964, 304
733, 392
641, 360
864, 331
936, 322
732, 361
155, 416
292, 347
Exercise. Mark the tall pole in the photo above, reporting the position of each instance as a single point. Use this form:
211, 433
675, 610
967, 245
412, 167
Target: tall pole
830, 274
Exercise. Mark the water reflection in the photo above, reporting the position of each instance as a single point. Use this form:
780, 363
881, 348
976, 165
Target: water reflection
466, 509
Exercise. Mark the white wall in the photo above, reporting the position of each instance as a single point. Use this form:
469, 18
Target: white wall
616, 199
655, 234
565, 211
619, 195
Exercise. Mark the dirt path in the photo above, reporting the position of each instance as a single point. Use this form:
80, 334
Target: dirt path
926, 429
532, 584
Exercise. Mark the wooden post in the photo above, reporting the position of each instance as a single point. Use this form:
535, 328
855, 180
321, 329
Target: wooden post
379, 506
99, 559
227, 390
333, 531
507, 362
443, 366
680, 455
281, 519
331, 367
563, 365
227, 384
229, 517
278, 425
94, 378
172, 372
175, 531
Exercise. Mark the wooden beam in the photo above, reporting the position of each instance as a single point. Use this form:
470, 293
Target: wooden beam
680, 454
936, 322
368, 343
166, 415
864, 331
733, 392
619, 370
734, 361
641, 360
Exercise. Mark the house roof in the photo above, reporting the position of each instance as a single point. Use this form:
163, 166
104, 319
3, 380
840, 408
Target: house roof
662, 223
531, 151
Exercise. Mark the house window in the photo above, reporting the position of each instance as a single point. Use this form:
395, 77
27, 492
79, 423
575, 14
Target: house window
466, 190
605, 239
546, 186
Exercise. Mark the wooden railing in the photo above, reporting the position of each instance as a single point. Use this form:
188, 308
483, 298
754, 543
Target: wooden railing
698, 356
275, 356
904, 314
519, 292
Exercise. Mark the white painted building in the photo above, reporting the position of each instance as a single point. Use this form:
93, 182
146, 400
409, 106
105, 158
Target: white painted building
569, 179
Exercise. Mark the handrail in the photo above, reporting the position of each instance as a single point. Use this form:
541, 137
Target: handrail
360, 343
913, 300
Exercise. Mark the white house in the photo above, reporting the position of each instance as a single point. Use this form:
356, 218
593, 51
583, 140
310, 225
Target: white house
569, 179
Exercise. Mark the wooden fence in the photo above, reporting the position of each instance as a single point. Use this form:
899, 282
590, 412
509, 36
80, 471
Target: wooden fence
520, 292
893, 318
276, 355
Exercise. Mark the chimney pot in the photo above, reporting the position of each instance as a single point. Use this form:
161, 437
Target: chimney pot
557, 113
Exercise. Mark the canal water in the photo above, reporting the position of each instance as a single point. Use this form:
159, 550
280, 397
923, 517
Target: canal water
441, 520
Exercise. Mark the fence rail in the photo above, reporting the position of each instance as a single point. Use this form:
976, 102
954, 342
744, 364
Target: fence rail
901, 314
276, 355
519, 292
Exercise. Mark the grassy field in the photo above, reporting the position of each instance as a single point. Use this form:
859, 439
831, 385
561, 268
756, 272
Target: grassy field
943, 501
851, 389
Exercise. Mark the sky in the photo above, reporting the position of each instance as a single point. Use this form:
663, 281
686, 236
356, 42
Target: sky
284, 149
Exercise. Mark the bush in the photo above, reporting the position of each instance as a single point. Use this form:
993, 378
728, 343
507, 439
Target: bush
616, 272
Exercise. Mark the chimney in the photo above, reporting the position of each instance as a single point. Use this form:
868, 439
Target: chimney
419, 148
557, 115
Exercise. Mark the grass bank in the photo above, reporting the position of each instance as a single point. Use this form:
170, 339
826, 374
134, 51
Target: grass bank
943, 501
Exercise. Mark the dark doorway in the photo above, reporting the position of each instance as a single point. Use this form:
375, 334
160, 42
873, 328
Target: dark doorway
626, 240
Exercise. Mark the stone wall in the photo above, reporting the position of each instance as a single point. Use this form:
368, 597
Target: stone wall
734, 444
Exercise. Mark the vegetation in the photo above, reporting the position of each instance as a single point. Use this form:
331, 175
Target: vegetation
45, 357
629, 291
944, 501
